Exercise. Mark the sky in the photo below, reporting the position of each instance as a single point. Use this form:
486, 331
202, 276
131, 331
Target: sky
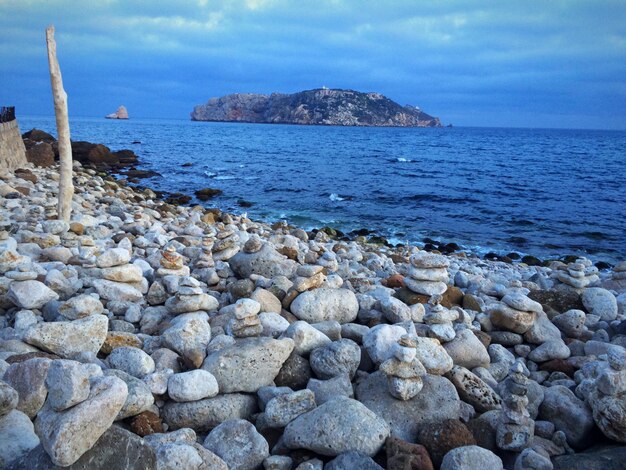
504, 63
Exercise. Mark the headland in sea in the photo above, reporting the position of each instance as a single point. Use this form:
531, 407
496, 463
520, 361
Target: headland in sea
145, 332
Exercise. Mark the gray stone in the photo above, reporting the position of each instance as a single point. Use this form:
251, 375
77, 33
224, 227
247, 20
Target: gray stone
191, 386
18, 437
306, 338
599, 301
284, 408
325, 390
337, 426
66, 339
542, 330
266, 262
529, 459
467, 351
189, 335
438, 400
139, 397
553, 349
471, 458
239, 444
105, 454
249, 364
378, 341
68, 384
571, 323
568, 413
204, 415
28, 378
191, 303
337, 358
81, 306
324, 303
113, 257
30, 294
278, 462
111, 290
605, 458
433, 356
395, 310
131, 360
69, 434
352, 461
8, 398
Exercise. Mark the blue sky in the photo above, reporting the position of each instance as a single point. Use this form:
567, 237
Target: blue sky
531, 63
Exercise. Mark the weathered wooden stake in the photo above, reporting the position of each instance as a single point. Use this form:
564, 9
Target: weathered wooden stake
66, 187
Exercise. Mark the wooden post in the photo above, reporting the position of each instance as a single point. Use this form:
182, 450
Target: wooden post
66, 187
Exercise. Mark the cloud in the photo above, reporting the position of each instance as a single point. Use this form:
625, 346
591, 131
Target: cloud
473, 62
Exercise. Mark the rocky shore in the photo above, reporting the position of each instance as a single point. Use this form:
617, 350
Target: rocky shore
144, 334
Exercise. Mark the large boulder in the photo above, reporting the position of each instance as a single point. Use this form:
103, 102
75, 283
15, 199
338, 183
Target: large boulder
68, 434
325, 304
31, 294
238, 444
337, 426
438, 400
249, 364
41, 154
18, 437
204, 415
266, 262
68, 338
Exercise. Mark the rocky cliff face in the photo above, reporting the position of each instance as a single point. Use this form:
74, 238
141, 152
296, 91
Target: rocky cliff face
320, 107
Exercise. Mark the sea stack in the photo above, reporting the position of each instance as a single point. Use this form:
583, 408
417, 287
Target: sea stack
121, 113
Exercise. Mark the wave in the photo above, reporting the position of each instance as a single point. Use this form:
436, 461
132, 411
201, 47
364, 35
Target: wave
210, 174
403, 160
336, 197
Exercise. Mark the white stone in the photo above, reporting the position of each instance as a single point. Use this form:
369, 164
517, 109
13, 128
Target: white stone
30, 294
191, 386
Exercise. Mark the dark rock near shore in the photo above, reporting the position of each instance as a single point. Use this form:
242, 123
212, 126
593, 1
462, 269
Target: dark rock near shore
318, 107
559, 300
207, 193
40, 154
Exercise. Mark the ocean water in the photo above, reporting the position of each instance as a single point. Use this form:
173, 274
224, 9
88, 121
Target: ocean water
534, 191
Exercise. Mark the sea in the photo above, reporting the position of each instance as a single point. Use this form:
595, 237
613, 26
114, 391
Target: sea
543, 192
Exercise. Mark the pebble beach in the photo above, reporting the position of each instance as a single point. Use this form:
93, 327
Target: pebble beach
149, 335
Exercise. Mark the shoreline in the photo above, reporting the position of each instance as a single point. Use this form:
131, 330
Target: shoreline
189, 325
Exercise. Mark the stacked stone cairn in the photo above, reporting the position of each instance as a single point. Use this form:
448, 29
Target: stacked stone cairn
227, 244
172, 263
427, 274
578, 275
245, 321
439, 319
120, 280
404, 371
515, 428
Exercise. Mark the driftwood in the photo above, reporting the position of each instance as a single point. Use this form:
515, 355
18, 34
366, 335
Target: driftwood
66, 187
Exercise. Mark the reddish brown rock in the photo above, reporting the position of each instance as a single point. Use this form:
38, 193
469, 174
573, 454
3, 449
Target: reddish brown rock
146, 423
411, 298
441, 437
559, 365
16, 358
41, 154
483, 338
402, 455
117, 339
26, 175
451, 297
470, 302
394, 281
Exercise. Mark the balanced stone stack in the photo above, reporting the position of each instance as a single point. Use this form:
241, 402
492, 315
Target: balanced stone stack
190, 298
515, 313
226, 246
427, 274
515, 427
578, 275
245, 321
440, 320
404, 371
607, 398
172, 263
619, 271
120, 280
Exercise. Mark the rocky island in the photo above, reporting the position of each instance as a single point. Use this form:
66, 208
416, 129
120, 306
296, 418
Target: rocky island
121, 113
322, 106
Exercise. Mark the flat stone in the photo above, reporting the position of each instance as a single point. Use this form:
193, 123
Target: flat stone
606, 458
504, 317
66, 339
67, 435
352, 460
437, 400
204, 415
553, 349
81, 306
30, 294
266, 262
396, 311
325, 390
519, 301
125, 273
284, 408
427, 260
113, 257
337, 426
426, 287
191, 303
306, 338
68, 384
324, 304
192, 386
111, 290
249, 364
